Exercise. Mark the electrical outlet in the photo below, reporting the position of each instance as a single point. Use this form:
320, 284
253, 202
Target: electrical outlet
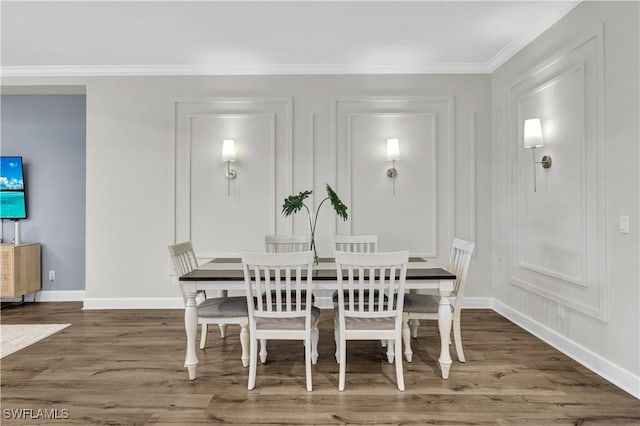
624, 224
52, 275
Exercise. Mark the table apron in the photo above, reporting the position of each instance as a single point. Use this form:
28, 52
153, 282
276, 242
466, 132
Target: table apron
445, 286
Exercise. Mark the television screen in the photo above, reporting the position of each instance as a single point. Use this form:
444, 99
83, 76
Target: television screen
12, 196
11, 176
13, 205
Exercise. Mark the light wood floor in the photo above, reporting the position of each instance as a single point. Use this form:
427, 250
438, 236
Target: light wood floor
125, 367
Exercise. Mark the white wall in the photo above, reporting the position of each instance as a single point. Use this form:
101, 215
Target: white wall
154, 174
563, 269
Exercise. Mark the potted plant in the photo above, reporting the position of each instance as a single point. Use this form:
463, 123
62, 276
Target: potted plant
295, 203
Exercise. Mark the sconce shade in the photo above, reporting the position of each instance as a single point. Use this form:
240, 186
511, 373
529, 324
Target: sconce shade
228, 150
393, 150
533, 133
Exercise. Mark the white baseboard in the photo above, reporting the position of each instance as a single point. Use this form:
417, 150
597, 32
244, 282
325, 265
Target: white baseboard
620, 377
134, 303
51, 296
477, 303
60, 296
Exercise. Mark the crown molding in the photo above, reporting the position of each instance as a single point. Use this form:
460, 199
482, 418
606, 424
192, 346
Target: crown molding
208, 70
515, 46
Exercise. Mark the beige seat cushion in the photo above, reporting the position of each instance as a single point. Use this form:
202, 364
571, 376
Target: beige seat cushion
352, 323
223, 307
286, 323
370, 323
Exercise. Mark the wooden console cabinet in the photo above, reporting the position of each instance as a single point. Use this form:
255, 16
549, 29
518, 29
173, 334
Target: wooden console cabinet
19, 269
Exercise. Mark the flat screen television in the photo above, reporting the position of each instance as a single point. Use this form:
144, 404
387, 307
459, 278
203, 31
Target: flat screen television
13, 202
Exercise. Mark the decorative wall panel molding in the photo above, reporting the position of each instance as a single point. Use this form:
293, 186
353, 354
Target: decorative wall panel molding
312, 169
558, 245
472, 181
420, 216
262, 130
561, 200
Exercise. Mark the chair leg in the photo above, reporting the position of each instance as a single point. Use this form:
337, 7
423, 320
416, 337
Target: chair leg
223, 330
315, 336
307, 361
336, 338
457, 336
406, 338
390, 352
203, 336
343, 363
399, 372
253, 363
414, 324
263, 350
244, 343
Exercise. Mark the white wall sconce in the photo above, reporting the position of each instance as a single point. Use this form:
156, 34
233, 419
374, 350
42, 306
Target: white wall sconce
393, 155
533, 139
228, 156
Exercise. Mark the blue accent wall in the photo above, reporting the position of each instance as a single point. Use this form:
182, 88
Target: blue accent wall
49, 132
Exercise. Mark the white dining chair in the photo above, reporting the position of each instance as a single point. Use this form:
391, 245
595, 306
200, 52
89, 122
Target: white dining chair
281, 285
287, 243
355, 244
370, 303
425, 306
217, 310
283, 244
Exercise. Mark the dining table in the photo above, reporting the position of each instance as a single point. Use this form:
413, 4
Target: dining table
225, 274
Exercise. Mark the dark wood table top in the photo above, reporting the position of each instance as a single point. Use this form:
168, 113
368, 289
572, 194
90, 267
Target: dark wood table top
212, 274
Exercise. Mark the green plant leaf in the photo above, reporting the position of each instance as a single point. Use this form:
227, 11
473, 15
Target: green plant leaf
294, 203
338, 205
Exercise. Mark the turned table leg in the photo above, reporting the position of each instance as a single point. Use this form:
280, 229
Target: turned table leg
444, 325
191, 327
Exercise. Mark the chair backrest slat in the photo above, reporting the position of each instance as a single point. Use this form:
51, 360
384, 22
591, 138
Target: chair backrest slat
392, 284
277, 288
